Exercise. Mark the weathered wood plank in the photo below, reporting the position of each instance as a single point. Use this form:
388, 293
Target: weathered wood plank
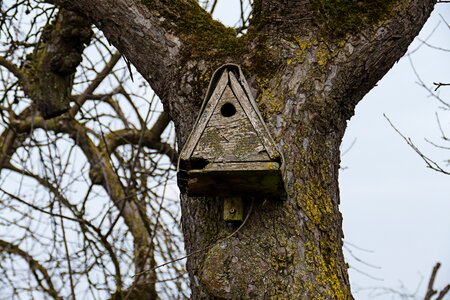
239, 166
254, 117
230, 138
203, 118
251, 181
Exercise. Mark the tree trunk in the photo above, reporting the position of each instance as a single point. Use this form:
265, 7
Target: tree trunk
308, 62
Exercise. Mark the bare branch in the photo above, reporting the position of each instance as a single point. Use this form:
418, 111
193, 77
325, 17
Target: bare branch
131, 223
160, 124
430, 163
439, 84
95, 83
444, 291
35, 267
16, 71
213, 6
430, 290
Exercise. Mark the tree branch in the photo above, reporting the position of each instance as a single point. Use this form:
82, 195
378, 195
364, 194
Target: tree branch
81, 99
85, 225
150, 138
55, 61
160, 124
16, 71
133, 136
430, 290
372, 52
101, 172
439, 84
430, 163
159, 36
443, 292
35, 267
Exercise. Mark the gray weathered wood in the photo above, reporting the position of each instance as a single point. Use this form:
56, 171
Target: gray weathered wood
262, 184
255, 179
232, 138
230, 151
203, 118
254, 116
250, 166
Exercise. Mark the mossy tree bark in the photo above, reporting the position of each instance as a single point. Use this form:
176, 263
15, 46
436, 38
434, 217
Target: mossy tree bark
309, 62
50, 69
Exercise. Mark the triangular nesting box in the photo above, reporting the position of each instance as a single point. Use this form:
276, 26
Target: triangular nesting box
230, 151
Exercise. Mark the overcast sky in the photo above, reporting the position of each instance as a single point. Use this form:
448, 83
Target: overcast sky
392, 204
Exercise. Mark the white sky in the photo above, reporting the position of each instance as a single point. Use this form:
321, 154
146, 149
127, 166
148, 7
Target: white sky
392, 204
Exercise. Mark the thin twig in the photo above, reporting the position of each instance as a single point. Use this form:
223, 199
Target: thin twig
430, 163
213, 7
439, 84
430, 290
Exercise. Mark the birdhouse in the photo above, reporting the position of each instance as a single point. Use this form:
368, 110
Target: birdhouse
230, 152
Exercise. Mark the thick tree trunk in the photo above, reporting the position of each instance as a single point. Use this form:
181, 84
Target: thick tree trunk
308, 63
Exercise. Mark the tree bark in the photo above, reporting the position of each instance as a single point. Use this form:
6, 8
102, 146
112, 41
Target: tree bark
54, 61
309, 62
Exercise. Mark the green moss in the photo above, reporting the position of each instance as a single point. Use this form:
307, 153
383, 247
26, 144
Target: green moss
210, 38
318, 205
339, 17
266, 59
312, 194
246, 145
280, 262
211, 41
204, 39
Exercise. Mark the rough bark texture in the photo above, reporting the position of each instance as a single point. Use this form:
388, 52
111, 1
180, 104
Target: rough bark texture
54, 61
309, 62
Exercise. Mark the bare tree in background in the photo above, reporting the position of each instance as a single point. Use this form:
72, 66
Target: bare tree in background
308, 63
86, 205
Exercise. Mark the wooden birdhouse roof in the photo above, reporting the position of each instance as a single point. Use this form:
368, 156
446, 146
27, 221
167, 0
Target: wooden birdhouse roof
230, 128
